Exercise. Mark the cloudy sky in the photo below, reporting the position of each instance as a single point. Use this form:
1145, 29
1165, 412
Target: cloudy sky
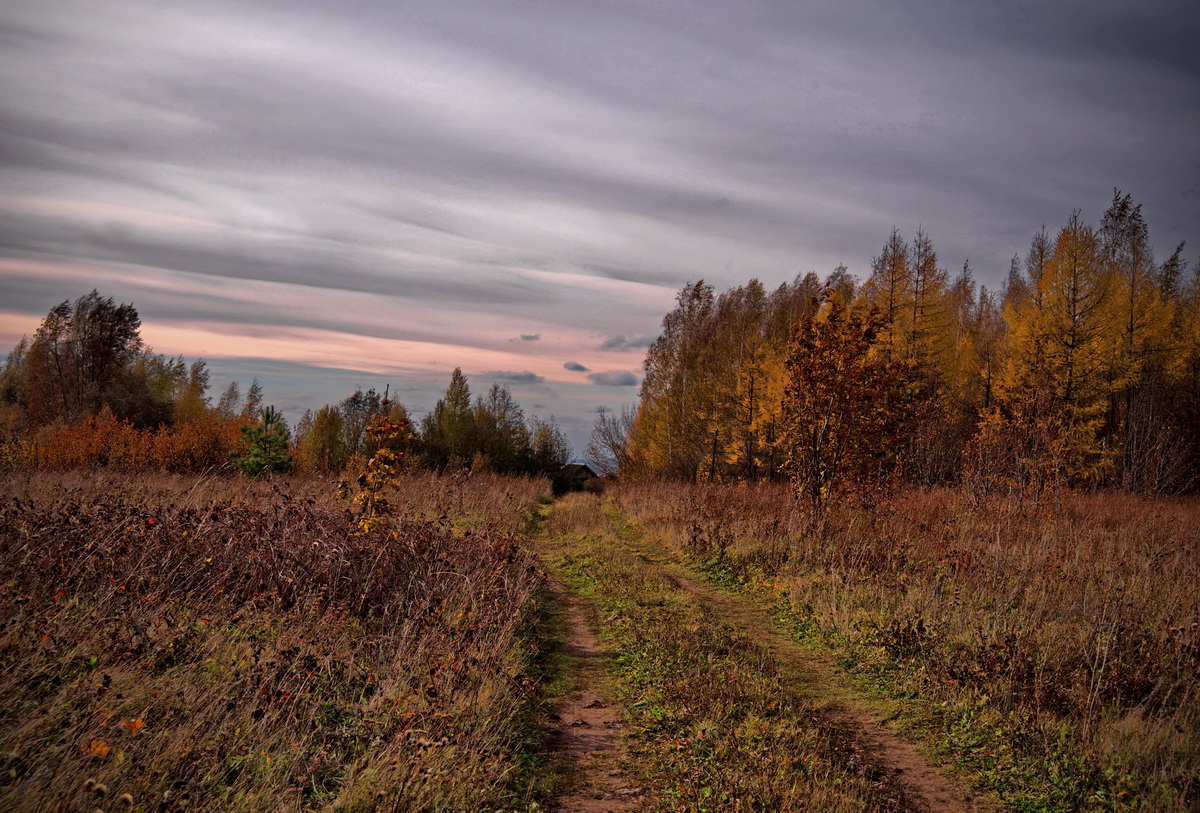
336, 194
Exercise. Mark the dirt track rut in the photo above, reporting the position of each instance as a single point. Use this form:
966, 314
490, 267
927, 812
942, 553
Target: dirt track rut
925, 785
589, 724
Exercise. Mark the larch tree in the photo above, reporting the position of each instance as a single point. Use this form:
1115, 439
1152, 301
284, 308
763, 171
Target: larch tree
1140, 321
1075, 289
889, 290
845, 404
930, 339
1056, 375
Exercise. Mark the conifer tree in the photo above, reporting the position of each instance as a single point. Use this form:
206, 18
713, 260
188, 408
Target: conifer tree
266, 446
889, 290
845, 404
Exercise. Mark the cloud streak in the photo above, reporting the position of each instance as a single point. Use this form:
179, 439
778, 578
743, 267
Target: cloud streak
614, 378
626, 343
515, 376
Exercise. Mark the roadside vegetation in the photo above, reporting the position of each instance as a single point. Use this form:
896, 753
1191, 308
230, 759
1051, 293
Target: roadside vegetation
1050, 649
222, 644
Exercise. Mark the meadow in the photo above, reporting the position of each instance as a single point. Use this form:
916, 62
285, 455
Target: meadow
185, 642
1050, 648
212, 643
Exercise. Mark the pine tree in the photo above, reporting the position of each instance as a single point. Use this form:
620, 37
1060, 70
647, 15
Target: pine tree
266, 446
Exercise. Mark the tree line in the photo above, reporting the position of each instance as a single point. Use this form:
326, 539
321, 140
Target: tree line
490, 433
85, 392
1083, 369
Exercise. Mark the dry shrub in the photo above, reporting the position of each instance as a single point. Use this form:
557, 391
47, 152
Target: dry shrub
104, 442
485, 501
209, 643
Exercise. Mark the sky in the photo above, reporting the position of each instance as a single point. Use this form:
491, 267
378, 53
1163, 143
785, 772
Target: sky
331, 195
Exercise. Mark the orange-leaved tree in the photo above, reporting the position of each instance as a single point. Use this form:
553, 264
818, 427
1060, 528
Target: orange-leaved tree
390, 432
845, 402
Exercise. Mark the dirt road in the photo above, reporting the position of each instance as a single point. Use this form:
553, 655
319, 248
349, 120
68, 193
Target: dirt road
599, 556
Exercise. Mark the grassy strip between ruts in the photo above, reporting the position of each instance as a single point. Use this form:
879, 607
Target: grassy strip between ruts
712, 726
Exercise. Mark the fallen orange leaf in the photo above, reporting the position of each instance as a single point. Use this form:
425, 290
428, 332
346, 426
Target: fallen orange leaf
96, 747
133, 726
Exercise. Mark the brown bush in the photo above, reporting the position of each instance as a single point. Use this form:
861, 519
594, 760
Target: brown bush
104, 442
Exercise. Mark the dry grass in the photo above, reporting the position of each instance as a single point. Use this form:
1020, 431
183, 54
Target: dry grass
217, 644
1052, 649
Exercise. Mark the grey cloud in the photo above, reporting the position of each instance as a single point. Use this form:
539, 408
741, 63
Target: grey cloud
313, 261
624, 343
515, 377
644, 273
530, 337
614, 378
575, 367
730, 110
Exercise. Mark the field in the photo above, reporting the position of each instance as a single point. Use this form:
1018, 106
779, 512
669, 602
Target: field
1051, 650
209, 644
213, 643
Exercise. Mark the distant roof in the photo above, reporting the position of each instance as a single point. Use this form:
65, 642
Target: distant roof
579, 471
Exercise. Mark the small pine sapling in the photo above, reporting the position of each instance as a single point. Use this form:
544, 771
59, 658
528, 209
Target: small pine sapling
266, 446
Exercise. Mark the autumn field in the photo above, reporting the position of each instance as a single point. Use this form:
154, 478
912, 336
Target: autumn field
1050, 650
193, 643
215, 643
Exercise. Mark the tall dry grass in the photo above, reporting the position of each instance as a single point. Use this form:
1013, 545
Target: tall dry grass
218, 644
1053, 648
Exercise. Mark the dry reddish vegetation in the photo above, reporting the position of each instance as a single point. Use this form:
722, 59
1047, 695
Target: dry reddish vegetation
1051, 647
102, 441
223, 645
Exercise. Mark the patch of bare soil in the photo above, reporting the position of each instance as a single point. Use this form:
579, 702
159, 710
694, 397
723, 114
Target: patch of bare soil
587, 727
862, 735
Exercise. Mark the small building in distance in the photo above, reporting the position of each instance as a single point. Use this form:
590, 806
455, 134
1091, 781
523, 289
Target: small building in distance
575, 477
578, 473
